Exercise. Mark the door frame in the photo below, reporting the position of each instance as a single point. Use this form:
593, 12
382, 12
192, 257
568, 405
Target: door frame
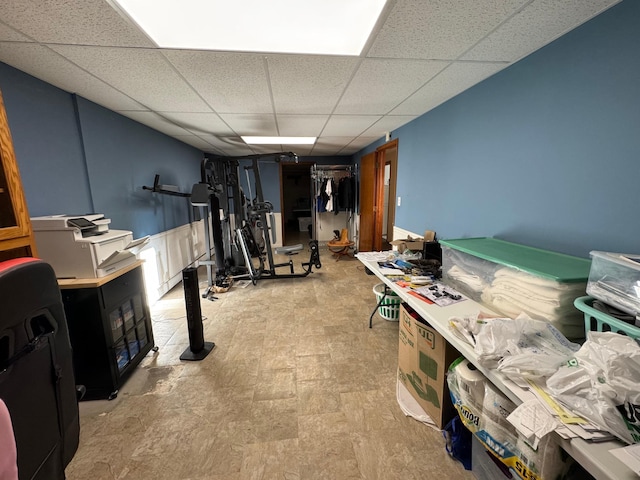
372, 224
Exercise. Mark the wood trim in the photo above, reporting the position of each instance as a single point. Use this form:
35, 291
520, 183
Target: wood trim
10, 235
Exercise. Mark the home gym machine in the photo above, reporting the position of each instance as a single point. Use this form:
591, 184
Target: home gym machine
244, 230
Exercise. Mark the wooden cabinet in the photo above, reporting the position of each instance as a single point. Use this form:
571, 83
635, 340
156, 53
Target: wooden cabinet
109, 327
16, 236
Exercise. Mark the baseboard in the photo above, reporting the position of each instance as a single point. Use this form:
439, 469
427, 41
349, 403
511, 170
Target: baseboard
401, 233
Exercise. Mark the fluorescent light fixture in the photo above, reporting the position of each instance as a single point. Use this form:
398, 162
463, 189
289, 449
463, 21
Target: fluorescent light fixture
279, 140
328, 27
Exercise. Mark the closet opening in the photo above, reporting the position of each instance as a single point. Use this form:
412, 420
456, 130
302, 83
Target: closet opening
296, 202
334, 201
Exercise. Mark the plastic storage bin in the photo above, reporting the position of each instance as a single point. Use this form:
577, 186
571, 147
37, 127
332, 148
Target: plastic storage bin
597, 321
389, 309
615, 279
304, 223
510, 279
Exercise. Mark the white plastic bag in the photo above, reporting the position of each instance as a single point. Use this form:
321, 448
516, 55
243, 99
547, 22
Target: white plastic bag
540, 350
524, 346
602, 383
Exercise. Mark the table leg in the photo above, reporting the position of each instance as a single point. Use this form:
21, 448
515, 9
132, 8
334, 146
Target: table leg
386, 289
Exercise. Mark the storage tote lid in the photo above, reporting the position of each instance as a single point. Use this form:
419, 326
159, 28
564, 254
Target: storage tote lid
629, 260
543, 263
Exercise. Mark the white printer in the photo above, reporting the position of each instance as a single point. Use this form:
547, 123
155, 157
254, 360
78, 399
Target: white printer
83, 246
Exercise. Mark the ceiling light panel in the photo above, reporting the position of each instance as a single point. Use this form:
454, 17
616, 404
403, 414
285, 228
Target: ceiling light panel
279, 140
328, 27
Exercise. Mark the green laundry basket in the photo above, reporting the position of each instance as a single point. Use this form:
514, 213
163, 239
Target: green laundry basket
390, 307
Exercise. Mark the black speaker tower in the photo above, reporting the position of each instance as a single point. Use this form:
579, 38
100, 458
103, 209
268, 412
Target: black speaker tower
198, 348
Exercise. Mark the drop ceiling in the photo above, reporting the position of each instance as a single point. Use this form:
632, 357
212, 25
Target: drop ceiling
420, 54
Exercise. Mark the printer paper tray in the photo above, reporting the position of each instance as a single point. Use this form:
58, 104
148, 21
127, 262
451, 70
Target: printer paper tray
121, 255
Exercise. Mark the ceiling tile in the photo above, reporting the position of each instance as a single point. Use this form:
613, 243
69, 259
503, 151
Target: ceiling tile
195, 141
388, 123
230, 83
155, 121
331, 145
210, 98
301, 125
439, 29
534, 26
361, 142
306, 84
348, 125
140, 73
454, 80
10, 35
45, 64
248, 124
86, 22
227, 144
380, 85
199, 122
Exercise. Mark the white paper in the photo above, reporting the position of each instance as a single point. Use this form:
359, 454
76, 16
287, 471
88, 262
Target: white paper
533, 421
390, 271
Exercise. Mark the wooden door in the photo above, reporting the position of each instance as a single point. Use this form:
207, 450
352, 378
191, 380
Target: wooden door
367, 202
371, 201
388, 154
372, 196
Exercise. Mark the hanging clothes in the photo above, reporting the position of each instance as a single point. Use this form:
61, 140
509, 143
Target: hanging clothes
323, 198
346, 191
330, 191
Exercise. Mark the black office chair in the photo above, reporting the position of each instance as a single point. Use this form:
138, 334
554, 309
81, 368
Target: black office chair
36, 370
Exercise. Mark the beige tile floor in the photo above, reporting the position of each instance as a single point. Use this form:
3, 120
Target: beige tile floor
297, 388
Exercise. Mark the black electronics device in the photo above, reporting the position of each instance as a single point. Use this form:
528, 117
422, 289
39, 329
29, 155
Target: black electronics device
198, 348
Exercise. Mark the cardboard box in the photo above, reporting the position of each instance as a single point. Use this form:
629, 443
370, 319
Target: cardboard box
413, 244
424, 357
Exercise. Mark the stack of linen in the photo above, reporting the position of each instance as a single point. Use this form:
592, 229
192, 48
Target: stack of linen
513, 291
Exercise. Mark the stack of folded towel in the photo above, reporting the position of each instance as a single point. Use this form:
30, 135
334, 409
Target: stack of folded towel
512, 292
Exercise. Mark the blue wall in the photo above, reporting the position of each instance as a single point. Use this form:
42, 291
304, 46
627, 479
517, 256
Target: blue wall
544, 153
77, 157
47, 144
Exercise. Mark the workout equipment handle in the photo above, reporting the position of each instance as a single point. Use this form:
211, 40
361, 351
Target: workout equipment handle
272, 225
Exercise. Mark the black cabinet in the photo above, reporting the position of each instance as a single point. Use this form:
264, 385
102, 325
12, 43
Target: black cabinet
110, 329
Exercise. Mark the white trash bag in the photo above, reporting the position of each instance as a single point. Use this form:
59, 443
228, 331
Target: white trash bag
522, 347
602, 383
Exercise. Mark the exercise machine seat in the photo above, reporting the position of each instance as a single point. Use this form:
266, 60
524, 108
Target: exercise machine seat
36, 371
289, 250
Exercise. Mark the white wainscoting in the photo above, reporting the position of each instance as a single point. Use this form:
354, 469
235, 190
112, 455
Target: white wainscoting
167, 254
401, 233
327, 222
170, 252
